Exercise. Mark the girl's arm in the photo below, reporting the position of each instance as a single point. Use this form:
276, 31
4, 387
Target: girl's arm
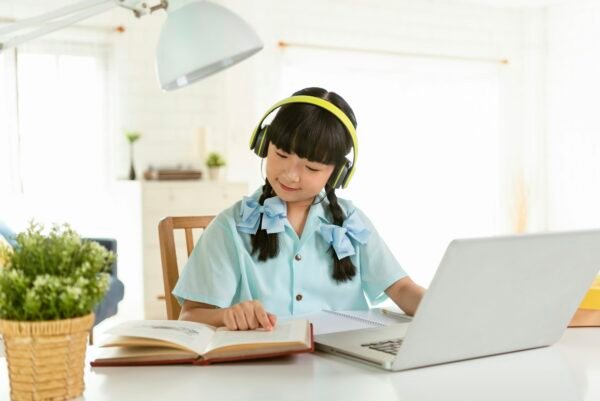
406, 294
202, 313
247, 315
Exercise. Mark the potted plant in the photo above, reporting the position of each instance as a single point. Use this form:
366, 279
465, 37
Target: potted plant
49, 286
132, 137
214, 162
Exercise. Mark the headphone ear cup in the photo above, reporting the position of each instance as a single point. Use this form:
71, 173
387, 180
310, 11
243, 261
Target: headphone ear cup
338, 178
261, 143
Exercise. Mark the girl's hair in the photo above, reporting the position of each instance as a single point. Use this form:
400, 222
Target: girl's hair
313, 133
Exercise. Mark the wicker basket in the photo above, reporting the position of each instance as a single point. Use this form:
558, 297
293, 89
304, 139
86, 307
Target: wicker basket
46, 359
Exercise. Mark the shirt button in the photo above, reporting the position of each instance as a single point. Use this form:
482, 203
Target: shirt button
299, 297
298, 257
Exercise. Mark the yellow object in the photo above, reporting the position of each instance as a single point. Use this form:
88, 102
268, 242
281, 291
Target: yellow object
592, 298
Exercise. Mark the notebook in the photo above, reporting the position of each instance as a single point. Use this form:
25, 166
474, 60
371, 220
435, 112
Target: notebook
332, 321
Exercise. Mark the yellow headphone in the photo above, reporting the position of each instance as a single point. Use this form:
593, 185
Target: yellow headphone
340, 178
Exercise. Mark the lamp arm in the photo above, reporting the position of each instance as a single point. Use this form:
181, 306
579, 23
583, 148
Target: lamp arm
66, 16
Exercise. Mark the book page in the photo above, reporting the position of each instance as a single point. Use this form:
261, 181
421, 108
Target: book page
283, 332
189, 335
328, 321
140, 354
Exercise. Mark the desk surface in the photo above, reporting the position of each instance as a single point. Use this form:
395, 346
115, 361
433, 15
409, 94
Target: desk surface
569, 370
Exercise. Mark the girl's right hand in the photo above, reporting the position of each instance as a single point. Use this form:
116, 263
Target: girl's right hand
248, 315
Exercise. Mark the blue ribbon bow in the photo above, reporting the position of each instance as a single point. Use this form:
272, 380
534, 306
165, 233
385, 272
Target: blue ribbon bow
274, 213
339, 237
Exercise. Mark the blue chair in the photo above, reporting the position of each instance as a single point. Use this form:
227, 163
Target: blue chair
116, 289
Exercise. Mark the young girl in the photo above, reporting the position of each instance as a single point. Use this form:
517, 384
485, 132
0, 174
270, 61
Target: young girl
293, 247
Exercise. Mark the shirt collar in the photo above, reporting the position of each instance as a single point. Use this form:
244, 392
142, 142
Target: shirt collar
316, 212
317, 215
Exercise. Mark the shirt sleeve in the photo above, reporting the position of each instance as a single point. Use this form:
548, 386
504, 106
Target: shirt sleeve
378, 267
212, 273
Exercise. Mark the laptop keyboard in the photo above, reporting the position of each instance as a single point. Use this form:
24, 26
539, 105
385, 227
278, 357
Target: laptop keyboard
388, 346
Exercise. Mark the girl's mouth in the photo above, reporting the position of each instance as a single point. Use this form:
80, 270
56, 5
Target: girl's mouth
286, 188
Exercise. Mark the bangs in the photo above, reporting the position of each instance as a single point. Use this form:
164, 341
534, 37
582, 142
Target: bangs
311, 133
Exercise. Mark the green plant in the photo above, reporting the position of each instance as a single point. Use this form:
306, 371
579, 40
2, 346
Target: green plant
132, 136
53, 276
215, 159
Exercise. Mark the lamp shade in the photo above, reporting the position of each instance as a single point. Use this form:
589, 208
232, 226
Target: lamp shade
199, 39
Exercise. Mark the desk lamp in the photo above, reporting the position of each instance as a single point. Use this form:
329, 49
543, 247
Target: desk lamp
198, 38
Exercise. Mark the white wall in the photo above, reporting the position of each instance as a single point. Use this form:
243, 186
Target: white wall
573, 125
229, 103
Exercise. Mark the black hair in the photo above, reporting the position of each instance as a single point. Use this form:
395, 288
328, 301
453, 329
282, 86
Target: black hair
313, 133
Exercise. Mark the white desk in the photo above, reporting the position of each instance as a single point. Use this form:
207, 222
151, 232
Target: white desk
567, 371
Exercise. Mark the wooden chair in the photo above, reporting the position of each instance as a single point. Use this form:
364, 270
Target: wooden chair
168, 254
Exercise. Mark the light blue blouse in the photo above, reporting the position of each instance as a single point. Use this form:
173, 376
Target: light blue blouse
222, 271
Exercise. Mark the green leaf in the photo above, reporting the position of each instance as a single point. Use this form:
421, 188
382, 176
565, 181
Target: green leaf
52, 276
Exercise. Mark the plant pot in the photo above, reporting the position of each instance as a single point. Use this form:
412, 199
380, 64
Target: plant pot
46, 359
132, 175
214, 173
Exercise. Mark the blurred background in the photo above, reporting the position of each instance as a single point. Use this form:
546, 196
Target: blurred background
475, 118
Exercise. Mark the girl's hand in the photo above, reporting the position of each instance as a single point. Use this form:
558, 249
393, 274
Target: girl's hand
248, 315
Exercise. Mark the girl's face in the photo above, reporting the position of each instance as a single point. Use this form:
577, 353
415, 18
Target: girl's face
295, 179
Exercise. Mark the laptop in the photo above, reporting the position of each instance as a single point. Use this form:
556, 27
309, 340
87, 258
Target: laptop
489, 296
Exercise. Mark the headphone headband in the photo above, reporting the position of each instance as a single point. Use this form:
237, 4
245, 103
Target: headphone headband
324, 104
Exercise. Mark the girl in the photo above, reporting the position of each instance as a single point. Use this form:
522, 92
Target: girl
293, 247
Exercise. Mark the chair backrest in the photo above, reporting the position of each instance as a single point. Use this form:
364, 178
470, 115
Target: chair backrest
168, 254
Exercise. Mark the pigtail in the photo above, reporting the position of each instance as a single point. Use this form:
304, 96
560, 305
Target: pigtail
266, 245
343, 270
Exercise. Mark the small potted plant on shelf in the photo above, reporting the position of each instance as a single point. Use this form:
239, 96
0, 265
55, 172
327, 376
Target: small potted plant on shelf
49, 287
215, 162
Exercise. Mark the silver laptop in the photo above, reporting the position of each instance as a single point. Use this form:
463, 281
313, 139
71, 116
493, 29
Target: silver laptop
489, 296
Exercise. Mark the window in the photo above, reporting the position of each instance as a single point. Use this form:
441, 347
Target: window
62, 119
54, 128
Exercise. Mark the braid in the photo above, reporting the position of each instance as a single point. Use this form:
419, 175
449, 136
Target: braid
343, 270
266, 245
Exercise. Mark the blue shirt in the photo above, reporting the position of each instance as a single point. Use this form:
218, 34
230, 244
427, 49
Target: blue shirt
222, 271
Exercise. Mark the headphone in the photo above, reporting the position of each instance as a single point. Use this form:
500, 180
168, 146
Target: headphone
341, 176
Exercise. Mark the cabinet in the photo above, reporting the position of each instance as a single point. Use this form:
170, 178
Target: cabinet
175, 198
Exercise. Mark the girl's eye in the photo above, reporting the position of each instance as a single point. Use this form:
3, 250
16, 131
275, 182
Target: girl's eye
312, 169
281, 155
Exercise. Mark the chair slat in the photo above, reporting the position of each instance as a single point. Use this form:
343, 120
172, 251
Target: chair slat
189, 241
168, 255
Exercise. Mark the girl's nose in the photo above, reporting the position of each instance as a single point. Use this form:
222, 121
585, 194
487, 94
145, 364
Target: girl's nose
292, 172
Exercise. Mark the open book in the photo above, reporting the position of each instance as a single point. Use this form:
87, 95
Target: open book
161, 342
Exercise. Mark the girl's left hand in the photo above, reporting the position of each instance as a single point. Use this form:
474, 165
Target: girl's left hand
248, 315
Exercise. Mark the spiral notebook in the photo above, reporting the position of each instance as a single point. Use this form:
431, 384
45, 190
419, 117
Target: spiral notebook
330, 321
